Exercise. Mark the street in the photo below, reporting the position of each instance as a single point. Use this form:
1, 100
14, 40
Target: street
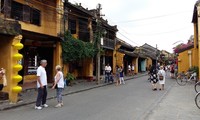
131, 101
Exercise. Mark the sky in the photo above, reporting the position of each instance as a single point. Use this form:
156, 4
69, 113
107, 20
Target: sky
155, 22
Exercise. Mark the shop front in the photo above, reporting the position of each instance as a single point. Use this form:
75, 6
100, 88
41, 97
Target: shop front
142, 67
36, 48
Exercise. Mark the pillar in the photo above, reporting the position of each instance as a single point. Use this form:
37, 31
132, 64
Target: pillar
190, 58
14, 67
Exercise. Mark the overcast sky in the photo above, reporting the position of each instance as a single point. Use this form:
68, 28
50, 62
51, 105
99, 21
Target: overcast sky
161, 22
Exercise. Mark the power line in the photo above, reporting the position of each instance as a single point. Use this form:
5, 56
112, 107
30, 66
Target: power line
128, 38
159, 33
154, 17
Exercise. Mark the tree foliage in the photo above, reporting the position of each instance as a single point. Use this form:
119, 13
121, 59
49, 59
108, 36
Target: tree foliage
74, 49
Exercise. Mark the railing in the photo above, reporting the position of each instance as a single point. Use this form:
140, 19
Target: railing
108, 43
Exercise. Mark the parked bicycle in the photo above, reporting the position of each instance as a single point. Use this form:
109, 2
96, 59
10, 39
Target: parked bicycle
183, 78
197, 100
197, 87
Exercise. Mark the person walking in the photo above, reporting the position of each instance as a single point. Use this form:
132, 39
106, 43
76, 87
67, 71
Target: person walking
59, 85
172, 71
129, 70
121, 76
133, 69
161, 78
153, 77
117, 75
41, 86
108, 70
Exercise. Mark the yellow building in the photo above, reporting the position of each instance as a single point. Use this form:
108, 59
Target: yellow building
187, 58
40, 26
188, 54
125, 56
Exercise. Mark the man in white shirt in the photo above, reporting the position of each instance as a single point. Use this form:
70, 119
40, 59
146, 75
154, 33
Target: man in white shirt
108, 69
41, 85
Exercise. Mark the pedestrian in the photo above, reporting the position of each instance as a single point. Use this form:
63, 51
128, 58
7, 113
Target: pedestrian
172, 71
108, 70
153, 77
133, 69
129, 69
117, 75
121, 76
59, 85
161, 77
41, 86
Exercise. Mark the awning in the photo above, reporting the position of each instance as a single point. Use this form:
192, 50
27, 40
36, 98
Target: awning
132, 54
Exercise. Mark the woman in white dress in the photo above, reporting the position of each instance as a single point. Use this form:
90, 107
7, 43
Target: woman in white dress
161, 77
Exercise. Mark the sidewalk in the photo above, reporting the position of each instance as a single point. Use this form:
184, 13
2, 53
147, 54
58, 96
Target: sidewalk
177, 104
29, 97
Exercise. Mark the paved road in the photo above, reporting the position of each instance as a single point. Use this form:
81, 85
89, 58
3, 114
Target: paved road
131, 101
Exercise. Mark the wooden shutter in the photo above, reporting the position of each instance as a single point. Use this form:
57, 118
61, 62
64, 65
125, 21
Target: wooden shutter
7, 8
26, 13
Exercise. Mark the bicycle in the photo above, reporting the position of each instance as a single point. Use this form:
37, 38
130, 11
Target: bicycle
197, 87
182, 78
197, 100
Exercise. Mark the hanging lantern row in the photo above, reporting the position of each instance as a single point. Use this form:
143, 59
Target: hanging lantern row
17, 78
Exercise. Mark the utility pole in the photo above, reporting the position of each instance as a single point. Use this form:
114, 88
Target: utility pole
64, 16
98, 56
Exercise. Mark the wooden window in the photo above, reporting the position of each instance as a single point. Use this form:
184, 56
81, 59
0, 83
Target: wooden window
35, 17
7, 8
83, 30
26, 13
72, 26
17, 11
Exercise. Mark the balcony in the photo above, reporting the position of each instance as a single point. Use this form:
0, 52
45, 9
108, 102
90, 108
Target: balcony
108, 43
9, 27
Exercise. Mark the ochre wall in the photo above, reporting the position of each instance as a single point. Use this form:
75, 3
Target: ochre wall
5, 53
87, 68
183, 60
149, 62
135, 62
49, 19
120, 59
57, 59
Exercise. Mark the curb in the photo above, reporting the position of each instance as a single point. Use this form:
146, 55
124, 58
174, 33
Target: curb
70, 93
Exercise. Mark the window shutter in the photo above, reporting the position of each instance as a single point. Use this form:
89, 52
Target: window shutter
7, 8
26, 13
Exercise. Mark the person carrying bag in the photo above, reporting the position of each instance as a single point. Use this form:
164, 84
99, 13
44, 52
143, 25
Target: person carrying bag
161, 78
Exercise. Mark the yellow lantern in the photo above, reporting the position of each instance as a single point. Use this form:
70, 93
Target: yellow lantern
17, 56
17, 89
17, 78
17, 67
18, 46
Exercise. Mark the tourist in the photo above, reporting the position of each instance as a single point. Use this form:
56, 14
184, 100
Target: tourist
117, 75
121, 76
129, 69
42, 86
133, 69
153, 77
59, 85
108, 70
161, 78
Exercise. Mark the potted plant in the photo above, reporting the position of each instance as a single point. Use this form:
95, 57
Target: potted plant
69, 79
